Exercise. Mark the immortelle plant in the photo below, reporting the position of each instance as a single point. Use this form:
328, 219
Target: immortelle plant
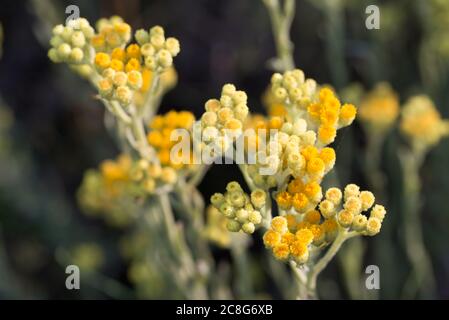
149, 181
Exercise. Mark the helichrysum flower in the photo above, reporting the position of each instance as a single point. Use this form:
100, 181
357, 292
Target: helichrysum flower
422, 124
111, 33
379, 109
159, 137
241, 210
157, 51
292, 236
319, 107
70, 43
223, 119
112, 190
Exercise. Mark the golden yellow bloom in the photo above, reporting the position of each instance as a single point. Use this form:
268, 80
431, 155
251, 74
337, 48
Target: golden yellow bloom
312, 217
159, 137
373, 226
318, 234
379, 109
281, 251
347, 114
315, 167
102, 60
368, 199
291, 222
345, 218
279, 224
304, 236
421, 123
299, 251
327, 134
334, 195
271, 238
299, 201
312, 190
284, 200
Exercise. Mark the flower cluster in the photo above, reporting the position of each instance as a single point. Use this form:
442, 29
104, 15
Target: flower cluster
159, 137
379, 109
70, 44
241, 210
348, 209
157, 51
113, 188
119, 86
422, 124
223, 120
111, 33
320, 108
293, 236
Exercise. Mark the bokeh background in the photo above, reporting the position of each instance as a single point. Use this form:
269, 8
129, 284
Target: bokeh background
52, 129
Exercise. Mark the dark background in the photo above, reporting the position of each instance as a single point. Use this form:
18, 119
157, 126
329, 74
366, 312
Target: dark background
58, 129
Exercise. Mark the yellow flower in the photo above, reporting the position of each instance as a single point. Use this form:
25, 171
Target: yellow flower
373, 226
312, 190
421, 123
315, 167
102, 60
368, 199
327, 134
133, 51
281, 251
284, 200
318, 234
347, 114
271, 238
334, 195
279, 224
299, 201
299, 251
312, 217
345, 218
118, 54
304, 236
379, 109
291, 222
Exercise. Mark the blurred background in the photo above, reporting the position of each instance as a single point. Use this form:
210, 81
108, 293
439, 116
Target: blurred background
52, 129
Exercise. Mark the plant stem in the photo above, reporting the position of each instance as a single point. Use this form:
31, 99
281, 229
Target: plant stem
281, 21
421, 276
342, 236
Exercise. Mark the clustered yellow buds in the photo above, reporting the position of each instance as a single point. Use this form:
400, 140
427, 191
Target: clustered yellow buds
70, 43
241, 210
379, 109
287, 243
223, 120
157, 51
292, 89
159, 137
292, 235
329, 115
422, 124
291, 151
119, 85
113, 189
299, 197
348, 209
321, 109
112, 33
